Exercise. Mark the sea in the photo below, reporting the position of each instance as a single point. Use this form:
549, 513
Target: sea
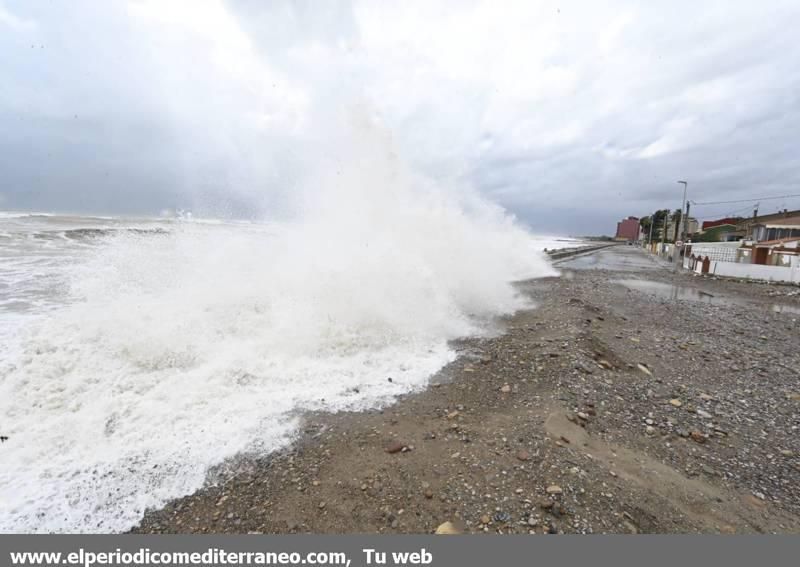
138, 354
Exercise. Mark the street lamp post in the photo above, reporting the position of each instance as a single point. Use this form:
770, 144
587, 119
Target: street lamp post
683, 221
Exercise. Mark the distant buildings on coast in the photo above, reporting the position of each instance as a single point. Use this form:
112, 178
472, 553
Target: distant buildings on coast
669, 228
763, 247
629, 229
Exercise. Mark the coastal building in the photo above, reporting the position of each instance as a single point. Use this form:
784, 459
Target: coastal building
719, 233
781, 252
628, 229
785, 224
769, 248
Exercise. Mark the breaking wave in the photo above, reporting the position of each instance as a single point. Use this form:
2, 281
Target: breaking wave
176, 350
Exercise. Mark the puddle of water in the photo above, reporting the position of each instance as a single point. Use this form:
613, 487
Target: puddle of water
671, 291
676, 292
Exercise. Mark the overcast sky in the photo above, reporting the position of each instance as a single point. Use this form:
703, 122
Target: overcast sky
569, 114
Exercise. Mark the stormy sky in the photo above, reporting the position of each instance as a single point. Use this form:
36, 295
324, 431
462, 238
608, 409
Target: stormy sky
569, 114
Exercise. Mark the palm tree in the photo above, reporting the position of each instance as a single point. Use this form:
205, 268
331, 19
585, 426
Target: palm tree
645, 223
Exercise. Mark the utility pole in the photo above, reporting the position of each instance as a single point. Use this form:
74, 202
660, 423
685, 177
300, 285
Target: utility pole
683, 235
650, 238
753, 222
685, 224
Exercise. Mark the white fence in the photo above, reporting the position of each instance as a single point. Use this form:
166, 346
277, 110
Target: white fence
757, 271
788, 274
719, 251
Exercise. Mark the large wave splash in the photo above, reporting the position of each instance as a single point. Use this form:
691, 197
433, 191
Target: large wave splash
178, 351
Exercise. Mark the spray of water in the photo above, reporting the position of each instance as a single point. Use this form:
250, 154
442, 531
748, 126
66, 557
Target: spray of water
179, 350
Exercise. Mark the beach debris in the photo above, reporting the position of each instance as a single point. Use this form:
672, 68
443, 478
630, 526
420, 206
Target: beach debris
502, 517
554, 489
447, 528
644, 368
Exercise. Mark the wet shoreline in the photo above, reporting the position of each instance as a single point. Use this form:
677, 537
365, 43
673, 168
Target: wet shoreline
604, 410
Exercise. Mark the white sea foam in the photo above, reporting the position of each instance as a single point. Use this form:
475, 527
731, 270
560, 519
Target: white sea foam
172, 352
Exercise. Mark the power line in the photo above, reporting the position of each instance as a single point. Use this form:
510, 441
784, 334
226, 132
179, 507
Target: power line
728, 213
746, 200
736, 212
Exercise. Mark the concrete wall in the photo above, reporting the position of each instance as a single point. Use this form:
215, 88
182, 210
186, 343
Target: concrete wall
757, 271
569, 252
751, 271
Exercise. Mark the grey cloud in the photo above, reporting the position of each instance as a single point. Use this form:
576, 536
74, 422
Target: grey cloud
571, 116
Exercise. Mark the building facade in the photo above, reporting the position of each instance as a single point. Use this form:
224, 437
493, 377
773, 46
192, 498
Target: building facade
718, 233
628, 229
775, 229
784, 224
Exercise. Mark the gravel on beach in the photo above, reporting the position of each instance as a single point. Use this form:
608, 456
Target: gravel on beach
606, 409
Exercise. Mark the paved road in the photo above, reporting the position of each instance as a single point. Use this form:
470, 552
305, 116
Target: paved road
621, 258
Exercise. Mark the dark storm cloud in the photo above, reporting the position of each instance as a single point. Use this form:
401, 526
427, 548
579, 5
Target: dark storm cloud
570, 114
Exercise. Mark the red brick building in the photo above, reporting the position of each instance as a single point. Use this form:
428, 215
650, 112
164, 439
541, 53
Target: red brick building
628, 229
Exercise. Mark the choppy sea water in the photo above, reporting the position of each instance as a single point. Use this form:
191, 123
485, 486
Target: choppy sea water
136, 354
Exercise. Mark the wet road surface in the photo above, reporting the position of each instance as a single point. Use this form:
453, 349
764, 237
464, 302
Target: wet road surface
633, 259
620, 258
